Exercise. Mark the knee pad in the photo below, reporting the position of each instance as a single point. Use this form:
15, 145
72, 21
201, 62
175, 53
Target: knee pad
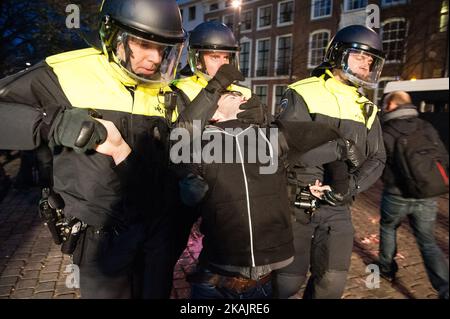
287, 285
330, 285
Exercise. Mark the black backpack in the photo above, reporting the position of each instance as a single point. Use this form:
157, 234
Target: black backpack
419, 162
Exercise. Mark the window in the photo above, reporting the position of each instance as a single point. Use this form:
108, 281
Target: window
192, 13
385, 3
320, 8
264, 17
393, 34
214, 19
284, 53
279, 92
318, 41
443, 22
355, 4
246, 20
213, 6
244, 58
228, 3
261, 92
262, 67
228, 20
285, 12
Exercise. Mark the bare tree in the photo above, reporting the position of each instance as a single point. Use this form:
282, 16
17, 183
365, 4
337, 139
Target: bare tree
31, 30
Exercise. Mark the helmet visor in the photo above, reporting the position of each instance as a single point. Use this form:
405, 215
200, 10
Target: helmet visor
362, 68
147, 61
205, 62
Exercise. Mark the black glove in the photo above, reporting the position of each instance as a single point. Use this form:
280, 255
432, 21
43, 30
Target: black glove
254, 112
77, 129
350, 153
225, 76
334, 198
192, 189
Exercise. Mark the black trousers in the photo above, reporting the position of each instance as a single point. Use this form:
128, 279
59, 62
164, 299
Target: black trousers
323, 244
131, 263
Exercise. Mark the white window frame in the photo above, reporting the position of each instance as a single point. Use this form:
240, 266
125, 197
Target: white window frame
267, 90
189, 13
390, 20
310, 66
215, 10
258, 27
320, 17
251, 14
274, 95
347, 3
279, 14
399, 2
250, 42
233, 19
213, 19
257, 57
276, 50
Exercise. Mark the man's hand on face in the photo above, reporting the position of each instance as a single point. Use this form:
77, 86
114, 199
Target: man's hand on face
253, 112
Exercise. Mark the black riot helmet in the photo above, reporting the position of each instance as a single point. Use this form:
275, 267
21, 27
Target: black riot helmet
356, 43
211, 36
130, 24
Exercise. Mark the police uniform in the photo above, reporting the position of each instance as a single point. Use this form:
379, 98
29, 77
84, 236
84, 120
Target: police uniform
325, 240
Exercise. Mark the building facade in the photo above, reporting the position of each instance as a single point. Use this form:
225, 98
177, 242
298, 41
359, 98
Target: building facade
283, 41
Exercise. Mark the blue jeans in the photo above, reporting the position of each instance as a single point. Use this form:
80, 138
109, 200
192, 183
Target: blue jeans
205, 290
422, 216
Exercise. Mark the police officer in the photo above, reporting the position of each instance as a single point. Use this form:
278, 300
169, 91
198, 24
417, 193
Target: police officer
126, 82
324, 241
211, 45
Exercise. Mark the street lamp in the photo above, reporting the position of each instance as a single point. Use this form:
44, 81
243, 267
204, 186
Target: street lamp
237, 6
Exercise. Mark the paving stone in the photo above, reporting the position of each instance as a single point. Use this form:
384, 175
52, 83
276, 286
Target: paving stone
66, 296
7, 281
5, 290
43, 295
46, 286
51, 268
53, 276
26, 283
22, 293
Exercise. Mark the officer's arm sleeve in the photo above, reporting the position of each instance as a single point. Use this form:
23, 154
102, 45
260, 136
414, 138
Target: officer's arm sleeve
292, 107
302, 137
369, 172
29, 102
200, 110
20, 127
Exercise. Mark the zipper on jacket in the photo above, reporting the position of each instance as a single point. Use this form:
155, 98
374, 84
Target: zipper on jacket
131, 89
220, 130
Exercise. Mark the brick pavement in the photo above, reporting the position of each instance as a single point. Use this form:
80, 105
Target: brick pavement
31, 266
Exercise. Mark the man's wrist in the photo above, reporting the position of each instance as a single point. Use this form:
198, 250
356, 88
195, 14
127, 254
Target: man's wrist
122, 152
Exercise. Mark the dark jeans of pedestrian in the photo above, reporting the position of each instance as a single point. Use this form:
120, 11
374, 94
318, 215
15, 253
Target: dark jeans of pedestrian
422, 217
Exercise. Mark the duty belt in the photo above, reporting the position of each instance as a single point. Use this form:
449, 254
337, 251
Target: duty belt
238, 285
